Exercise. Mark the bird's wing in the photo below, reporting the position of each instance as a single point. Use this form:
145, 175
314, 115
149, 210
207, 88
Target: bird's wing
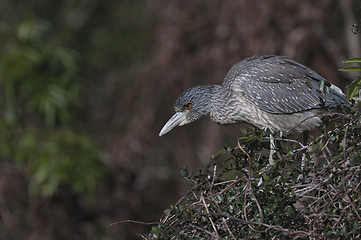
278, 85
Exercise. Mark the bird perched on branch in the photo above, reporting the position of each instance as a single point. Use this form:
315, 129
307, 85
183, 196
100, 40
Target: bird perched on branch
272, 92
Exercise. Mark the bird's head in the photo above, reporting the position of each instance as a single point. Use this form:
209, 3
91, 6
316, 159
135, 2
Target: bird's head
191, 105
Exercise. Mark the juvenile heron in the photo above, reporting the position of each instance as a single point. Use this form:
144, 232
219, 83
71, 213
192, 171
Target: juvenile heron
272, 92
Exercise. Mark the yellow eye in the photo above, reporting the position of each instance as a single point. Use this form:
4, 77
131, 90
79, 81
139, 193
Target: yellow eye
188, 106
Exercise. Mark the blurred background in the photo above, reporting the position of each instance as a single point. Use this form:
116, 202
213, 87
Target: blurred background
86, 86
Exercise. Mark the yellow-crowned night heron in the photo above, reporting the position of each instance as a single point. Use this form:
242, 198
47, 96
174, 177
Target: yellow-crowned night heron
272, 92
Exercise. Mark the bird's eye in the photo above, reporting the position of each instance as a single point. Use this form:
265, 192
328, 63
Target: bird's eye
188, 106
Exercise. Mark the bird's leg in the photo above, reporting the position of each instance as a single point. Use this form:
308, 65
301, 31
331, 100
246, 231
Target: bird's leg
272, 149
303, 160
270, 158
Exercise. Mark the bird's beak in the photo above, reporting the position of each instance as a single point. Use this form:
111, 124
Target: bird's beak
178, 119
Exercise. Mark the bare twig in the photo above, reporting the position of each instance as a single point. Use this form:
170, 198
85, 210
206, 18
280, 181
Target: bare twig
132, 221
229, 231
210, 219
230, 185
192, 226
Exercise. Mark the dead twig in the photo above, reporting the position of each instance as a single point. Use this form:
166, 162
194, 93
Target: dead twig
210, 219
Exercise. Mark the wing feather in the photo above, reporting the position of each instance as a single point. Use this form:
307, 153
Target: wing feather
279, 85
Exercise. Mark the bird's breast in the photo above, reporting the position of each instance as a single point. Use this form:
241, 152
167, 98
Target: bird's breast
237, 109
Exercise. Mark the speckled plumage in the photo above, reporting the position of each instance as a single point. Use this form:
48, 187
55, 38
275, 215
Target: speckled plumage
272, 92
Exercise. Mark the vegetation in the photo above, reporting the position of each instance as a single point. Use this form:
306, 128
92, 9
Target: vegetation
38, 129
311, 192
354, 88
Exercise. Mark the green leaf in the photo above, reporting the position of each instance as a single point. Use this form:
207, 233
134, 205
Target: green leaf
219, 153
350, 69
321, 84
309, 85
354, 89
32, 29
352, 60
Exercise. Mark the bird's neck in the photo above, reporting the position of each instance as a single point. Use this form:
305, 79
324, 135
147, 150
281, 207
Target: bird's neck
218, 101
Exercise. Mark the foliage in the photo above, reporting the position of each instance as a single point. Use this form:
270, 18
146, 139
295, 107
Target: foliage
312, 191
354, 87
38, 130
55, 157
37, 79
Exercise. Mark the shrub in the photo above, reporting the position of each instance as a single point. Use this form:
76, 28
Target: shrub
312, 190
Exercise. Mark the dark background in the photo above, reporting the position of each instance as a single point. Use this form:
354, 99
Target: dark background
86, 87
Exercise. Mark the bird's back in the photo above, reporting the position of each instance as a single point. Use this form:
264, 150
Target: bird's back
279, 92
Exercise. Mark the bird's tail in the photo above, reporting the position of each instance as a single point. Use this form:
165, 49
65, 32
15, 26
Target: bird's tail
335, 97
